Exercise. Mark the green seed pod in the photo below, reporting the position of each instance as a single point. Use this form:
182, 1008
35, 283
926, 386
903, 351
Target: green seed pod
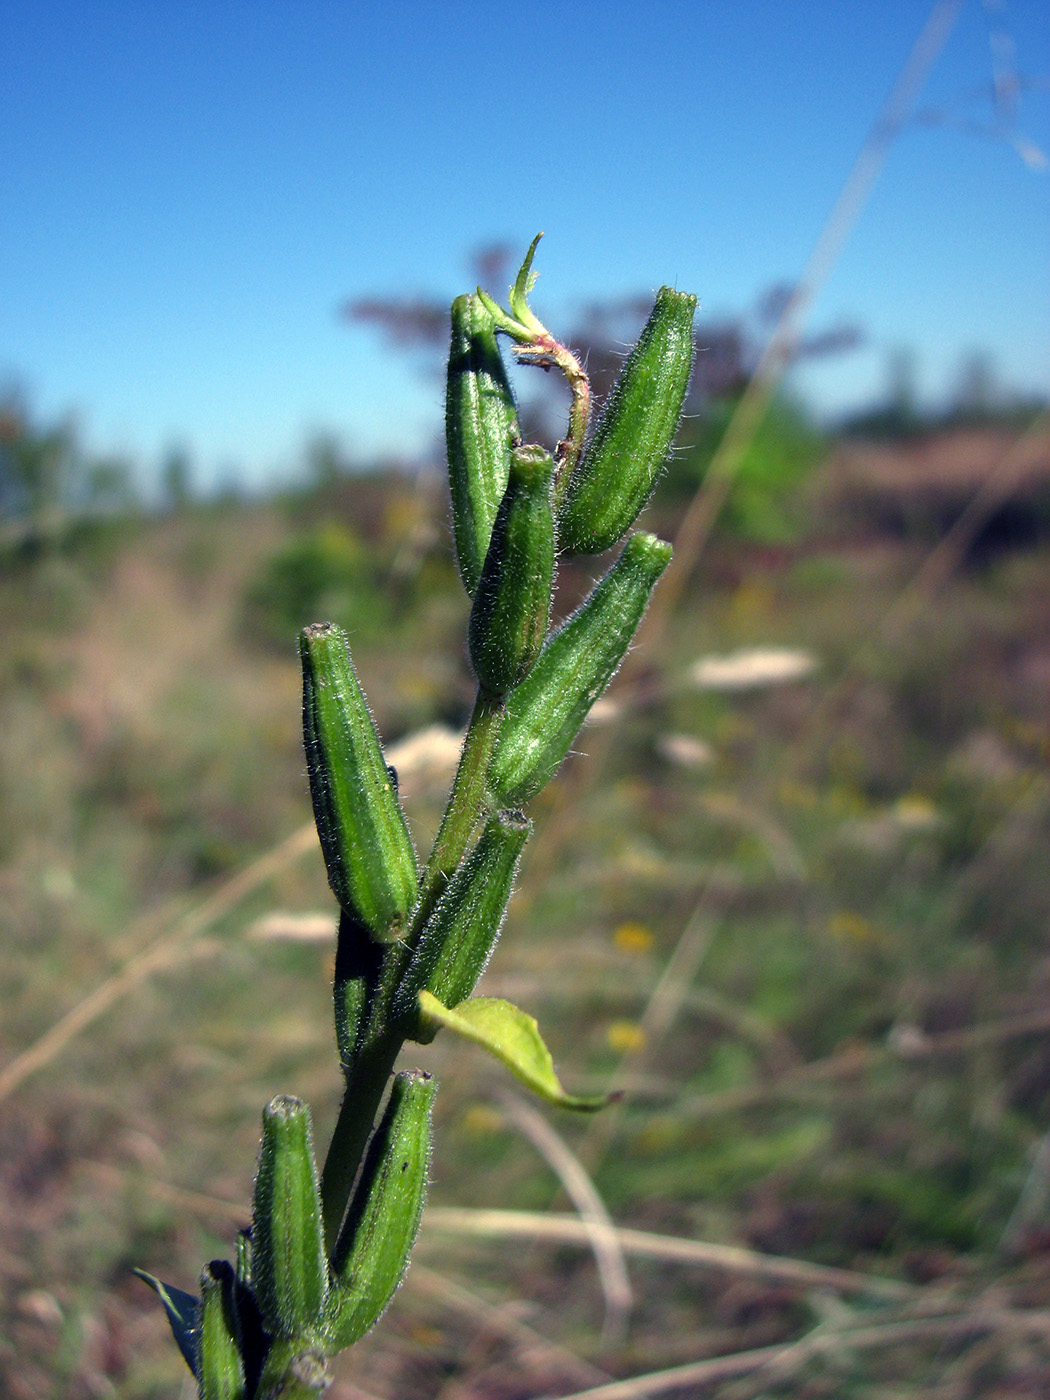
373, 1249
617, 472
220, 1370
358, 960
544, 713
460, 935
366, 845
289, 1270
481, 427
512, 604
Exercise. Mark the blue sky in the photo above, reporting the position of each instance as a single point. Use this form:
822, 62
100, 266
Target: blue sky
190, 191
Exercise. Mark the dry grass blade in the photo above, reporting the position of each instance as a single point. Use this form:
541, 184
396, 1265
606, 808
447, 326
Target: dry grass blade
663, 1006
595, 1218
1031, 1203
945, 558
817, 1343
438, 1286
858, 1060
195, 1204
143, 965
566, 1229
531, 1344
696, 525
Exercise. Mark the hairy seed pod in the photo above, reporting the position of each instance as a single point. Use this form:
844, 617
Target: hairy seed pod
617, 472
289, 1269
372, 1254
544, 714
367, 849
512, 604
481, 427
220, 1369
458, 938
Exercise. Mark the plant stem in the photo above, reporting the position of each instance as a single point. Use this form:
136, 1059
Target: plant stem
365, 1086
464, 804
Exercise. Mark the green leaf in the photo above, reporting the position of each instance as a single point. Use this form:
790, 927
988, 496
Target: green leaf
523, 285
509, 1033
183, 1311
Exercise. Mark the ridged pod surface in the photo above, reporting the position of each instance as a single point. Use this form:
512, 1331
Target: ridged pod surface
619, 466
458, 938
481, 427
512, 603
367, 849
544, 714
220, 1370
372, 1255
289, 1268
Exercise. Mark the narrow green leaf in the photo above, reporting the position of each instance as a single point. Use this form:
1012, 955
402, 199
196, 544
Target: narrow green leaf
183, 1311
511, 1035
523, 285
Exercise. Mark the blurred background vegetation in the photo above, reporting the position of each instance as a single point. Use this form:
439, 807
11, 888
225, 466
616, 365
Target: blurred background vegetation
792, 897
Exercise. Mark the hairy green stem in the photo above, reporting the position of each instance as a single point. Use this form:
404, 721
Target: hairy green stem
464, 805
365, 1086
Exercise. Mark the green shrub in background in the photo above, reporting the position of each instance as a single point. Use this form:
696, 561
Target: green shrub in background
326, 571
763, 502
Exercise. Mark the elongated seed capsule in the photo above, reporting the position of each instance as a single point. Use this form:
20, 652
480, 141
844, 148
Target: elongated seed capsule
372, 1254
616, 474
544, 713
289, 1269
458, 938
512, 604
481, 427
367, 849
220, 1369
